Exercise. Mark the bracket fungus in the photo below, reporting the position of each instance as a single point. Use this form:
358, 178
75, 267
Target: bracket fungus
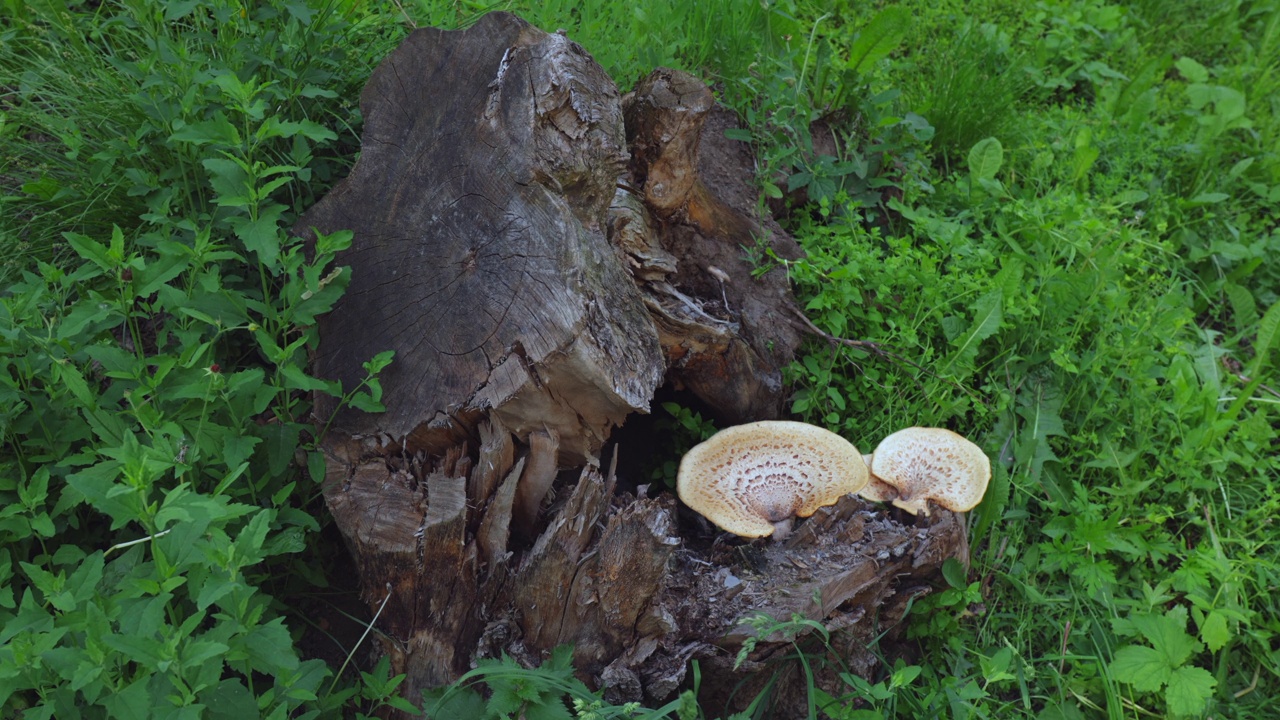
923, 464
751, 480
876, 490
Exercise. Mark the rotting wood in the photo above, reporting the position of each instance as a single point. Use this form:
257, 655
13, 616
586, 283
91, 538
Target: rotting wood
537, 286
480, 247
686, 220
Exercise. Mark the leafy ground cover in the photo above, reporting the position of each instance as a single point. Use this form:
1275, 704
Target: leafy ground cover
1059, 216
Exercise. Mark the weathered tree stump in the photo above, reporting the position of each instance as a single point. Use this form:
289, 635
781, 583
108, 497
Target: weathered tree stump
540, 267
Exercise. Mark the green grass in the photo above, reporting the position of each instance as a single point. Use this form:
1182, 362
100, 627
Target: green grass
1059, 216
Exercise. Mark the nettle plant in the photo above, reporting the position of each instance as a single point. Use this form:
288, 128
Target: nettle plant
147, 478
155, 419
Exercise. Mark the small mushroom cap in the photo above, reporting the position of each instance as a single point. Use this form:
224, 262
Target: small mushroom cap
876, 490
748, 477
925, 464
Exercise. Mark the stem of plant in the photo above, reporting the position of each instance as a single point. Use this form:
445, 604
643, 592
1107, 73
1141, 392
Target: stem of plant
352, 654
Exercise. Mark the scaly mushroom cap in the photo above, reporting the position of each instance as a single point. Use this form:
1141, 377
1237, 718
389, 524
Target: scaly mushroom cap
876, 490
925, 464
746, 478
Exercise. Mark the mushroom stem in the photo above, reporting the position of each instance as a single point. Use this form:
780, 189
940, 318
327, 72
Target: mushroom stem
781, 529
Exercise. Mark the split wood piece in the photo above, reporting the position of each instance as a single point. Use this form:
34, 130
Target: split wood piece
685, 239
478, 206
665, 118
393, 525
495, 527
497, 453
535, 483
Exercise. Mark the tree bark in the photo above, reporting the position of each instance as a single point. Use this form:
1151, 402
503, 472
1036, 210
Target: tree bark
540, 267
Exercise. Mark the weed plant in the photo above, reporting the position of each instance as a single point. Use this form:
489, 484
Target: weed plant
154, 377
1059, 217
972, 91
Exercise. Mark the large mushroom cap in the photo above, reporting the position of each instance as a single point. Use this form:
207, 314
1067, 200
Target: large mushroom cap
749, 477
935, 464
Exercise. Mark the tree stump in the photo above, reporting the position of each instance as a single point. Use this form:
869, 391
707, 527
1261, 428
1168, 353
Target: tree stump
541, 267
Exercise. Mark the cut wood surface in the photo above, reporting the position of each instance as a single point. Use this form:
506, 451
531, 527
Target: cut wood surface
541, 267
488, 161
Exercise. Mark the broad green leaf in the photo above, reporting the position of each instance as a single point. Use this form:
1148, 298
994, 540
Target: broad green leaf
90, 249
113, 359
1266, 337
549, 708
179, 9
46, 188
196, 652
33, 491
1192, 70
145, 651
996, 669
308, 128
230, 700
214, 589
261, 236
1214, 631
132, 703
65, 661
271, 649
159, 272
1244, 309
248, 542
316, 466
1142, 667
304, 682
954, 572
987, 318
1208, 198
1238, 169
31, 618
42, 525
87, 318
879, 37
238, 448
1229, 103
83, 583
218, 130
1190, 689
561, 659
1167, 633
985, 159
505, 700
1085, 155
52, 586
69, 375
229, 181
96, 484
282, 440
86, 672
447, 702
1131, 197
296, 379
380, 361
1042, 415
142, 616
993, 502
